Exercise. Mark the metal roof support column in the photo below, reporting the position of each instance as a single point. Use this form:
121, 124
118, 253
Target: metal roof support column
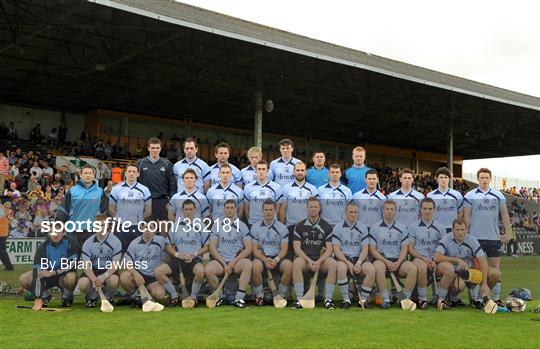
257, 134
451, 148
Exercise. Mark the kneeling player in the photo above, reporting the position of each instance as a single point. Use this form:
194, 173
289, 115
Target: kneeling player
389, 246
188, 244
310, 236
102, 251
54, 266
455, 253
424, 236
142, 258
230, 247
350, 241
270, 247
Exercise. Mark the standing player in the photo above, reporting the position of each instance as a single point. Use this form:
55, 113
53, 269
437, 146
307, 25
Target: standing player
482, 208
191, 192
369, 200
222, 191
350, 240
455, 253
101, 253
187, 246
191, 161
318, 173
130, 202
212, 177
334, 197
356, 174
295, 196
142, 258
407, 199
230, 247
156, 173
449, 202
258, 192
249, 173
310, 236
270, 245
424, 236
389, 246
283, 168
49, 271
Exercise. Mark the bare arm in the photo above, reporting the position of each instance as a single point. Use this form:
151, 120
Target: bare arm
281, 213
297, 245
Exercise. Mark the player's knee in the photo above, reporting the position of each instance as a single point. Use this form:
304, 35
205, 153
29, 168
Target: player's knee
286, 266
368, 269
257, 266
113, 281
494, 275
341, 268
25, 280
83, 284
158, 292
198, 271
299, 263
70, 280
246, 265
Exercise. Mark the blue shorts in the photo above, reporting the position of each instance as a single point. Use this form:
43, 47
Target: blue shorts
492, 248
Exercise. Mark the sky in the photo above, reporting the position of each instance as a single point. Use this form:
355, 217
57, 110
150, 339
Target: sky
493, 42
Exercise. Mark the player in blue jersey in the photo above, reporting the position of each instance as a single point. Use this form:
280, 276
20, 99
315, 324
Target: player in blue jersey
318, 173
230, 248
369, 200
482, 208
283, 168
424, 235
101, 253
191, 161
456, 252
389, 247
407, 199
270, 240
334, 197
295, 195
258, 191
449, 202
356, 174
130, 201
223, 191
249, 173
222, 152
350, 240
189, 192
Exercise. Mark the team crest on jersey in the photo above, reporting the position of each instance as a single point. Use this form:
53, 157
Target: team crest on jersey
486, 201
445, 202
145, 168
130, 195
162, 169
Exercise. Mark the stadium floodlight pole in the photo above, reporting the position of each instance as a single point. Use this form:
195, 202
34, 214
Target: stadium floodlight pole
451, 149
258, 119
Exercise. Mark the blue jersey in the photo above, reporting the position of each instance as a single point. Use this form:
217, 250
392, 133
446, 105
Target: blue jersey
101, 252
333, 202
200, 200
188, 239
485, 210
256, 193
369, 206
425, 236
213, 175
82, 204
407, 205
296, 196
269, 237
356, 177
217, 195
200, 167
388, 239
466, 250
350, 238
249, 174
447, 205
130, 201
317, 177
146, 253
283, 170
230, 238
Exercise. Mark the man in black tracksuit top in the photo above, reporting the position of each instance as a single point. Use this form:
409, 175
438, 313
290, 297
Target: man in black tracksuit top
157, 174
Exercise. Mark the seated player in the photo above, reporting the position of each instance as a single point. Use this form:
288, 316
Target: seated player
389, 246
101, 251
350, 240
187, 246
49, 271
455, 253
142, 258
310, 236
424, 235
270, 247
230, 248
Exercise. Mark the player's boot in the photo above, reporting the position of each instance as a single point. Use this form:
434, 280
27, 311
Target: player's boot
220, 301
90, 303
385, 305
478, 305
67, 298
46, 298
500, 303
173, 302
345, 304
259, 301
240, 304
329, 305
443, 304
296, 305
364, 304
422, 304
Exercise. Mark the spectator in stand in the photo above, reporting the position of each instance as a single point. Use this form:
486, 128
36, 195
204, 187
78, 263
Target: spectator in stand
35, 134
85, 135
62, 133
4, 171
12, 131
4, 233
36, 170
138, 151
12, 191
53, 138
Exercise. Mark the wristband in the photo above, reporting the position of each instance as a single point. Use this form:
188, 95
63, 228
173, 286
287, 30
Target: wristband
177, 254
277, 259
106, 274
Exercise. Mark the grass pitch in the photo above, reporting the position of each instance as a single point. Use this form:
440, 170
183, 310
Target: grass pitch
228, 327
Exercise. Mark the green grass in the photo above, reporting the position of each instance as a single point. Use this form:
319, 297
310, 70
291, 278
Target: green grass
228, 327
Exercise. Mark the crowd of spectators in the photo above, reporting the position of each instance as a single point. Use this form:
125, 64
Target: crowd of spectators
523, 219
531, 194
